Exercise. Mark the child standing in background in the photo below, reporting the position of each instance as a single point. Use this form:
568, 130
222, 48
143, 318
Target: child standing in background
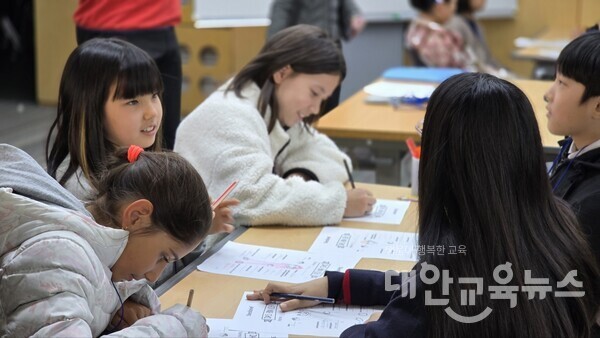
472, 33
64, 274
430, 43
574, 111
257, 129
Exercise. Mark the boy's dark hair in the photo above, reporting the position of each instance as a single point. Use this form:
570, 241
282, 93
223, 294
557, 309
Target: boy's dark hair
307, 49
91, 69
580, 61
424, 5
175, 189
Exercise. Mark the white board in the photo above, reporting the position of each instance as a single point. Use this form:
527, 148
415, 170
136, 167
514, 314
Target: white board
374, 10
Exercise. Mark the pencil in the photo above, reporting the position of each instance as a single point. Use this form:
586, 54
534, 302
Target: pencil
349, 174
220, 199
302, 297
190, 297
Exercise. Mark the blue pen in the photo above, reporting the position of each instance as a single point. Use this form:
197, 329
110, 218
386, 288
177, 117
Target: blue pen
302, 297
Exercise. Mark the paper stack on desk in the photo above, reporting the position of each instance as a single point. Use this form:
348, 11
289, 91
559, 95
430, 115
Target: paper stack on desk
390, 89
273, 264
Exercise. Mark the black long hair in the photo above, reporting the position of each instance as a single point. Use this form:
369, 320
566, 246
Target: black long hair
90, 71
307, 49
483, 184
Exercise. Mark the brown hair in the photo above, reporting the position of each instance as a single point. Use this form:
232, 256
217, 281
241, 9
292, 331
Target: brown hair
307, 49
175, 189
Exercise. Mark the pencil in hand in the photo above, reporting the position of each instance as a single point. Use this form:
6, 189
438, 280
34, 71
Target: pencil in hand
220, 199
349, 174
302, 297
190, 298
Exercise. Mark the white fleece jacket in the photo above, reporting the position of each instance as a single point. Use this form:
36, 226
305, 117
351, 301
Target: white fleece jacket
226, 139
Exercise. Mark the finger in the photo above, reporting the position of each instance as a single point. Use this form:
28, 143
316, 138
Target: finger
228, 203
228, 228
294, 304
256, 295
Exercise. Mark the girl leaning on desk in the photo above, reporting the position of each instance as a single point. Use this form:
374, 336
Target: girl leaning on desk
257, 129
482, 184
74, 270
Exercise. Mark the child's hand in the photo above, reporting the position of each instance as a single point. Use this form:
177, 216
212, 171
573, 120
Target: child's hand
316, 287
359, 202
374, 317
132, 311
223, 217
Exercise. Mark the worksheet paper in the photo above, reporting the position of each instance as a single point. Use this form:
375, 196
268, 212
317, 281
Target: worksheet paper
223, 328
274, 264
324, 320
361, 243
385, 212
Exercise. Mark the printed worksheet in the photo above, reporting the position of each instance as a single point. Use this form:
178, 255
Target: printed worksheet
384, 211
223, 328
325, 320
274, 264
361, 243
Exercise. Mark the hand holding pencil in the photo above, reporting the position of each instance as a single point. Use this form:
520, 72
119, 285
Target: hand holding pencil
294, 296
359, 202
223, 215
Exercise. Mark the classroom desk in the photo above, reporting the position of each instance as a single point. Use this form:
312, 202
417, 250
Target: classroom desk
355, 119
217, 296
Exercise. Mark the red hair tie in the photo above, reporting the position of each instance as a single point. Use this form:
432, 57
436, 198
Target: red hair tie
133, 153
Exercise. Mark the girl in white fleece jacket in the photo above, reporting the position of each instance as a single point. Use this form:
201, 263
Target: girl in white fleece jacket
63, 274
256, 129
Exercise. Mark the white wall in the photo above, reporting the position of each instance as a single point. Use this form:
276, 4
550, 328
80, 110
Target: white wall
374, 10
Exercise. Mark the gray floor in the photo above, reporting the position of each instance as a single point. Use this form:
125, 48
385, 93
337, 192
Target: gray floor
25, 125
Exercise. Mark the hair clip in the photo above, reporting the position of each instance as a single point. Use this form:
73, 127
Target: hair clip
133, 153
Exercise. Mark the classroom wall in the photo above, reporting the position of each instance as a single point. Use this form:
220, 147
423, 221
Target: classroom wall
533, 17
377, 48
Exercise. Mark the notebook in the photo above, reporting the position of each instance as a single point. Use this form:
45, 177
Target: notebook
420, 73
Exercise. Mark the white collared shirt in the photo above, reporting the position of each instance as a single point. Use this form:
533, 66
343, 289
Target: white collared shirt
574, 152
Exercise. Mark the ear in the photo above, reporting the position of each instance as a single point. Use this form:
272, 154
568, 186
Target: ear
281, 74
595, 107
137, 215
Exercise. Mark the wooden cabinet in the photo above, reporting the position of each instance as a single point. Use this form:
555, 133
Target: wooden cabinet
210, 56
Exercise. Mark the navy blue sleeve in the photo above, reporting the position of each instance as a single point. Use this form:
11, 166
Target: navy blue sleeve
402, 317
334, 283
360, 287
367, 287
